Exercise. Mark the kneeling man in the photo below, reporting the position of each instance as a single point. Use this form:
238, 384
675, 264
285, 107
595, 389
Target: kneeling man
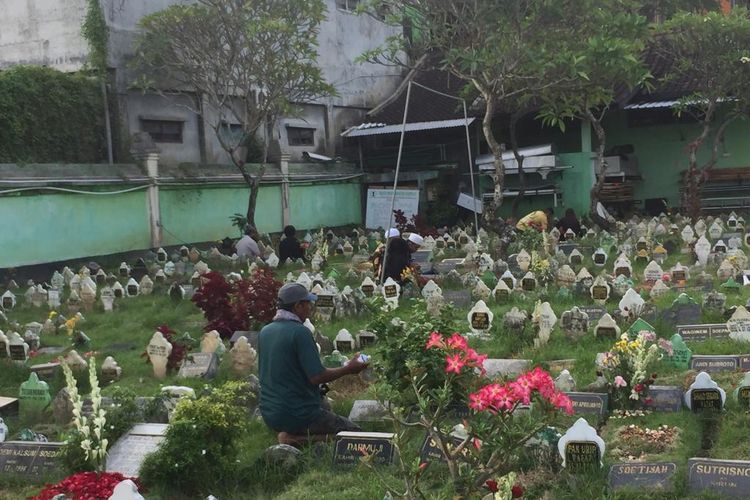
290, 371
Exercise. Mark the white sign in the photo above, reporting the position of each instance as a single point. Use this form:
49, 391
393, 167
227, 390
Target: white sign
470, 203
379, 206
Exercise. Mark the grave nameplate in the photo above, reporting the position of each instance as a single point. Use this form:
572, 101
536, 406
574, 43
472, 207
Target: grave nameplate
480, 321
665, 398
368, 290
599, 293
431, 451
743, 397
30, 458
606, 333
459, 298
390, 291
589, 402
17, 352
528, 284
595, 313
581, 456
716, 363
642, 475
199, 364
706, 399
743, 361
326, 301
128, 453
723, 477
694, 333
349, 447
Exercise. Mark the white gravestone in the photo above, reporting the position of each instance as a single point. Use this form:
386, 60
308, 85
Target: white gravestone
580, 432
480, 318
703, 382
739, 325
158, 351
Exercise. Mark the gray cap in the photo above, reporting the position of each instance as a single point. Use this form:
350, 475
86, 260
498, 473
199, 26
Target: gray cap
292, 293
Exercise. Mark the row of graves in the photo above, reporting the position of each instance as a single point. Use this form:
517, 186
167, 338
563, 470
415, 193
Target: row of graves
598, 288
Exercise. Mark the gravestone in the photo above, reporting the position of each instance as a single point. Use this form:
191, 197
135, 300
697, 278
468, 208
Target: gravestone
129, 452
524, 260
199, 365
544, 318
581, 448
739, 325
599, 290
683, 310
565, 276
8, 300
631, 303
595, 312
501, 292
480, 318
515, 320
574, 322
368, 410
702, 250
4, 351
705, 395
243, 357
596, 403
37, 459
350, 447
33, 396
729, 478
714, 363
714, 301
366, 339
642, 475
742, 393
505, 367
459, 298
508, 278
664, 398
18, 350
565, 382
607, 328
211, 343
599, 257
367, 287
111, 371
528, 282
128, 490
344, 342
391, 290
158, 351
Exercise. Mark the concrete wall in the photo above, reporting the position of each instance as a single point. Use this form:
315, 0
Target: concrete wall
45, 227
48, 32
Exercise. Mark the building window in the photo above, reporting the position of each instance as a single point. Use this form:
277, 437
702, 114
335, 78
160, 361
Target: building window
299, 136
163, 130
348, 5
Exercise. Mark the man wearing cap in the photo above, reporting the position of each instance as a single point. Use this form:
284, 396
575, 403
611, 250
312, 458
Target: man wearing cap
399, 255
290, 372
247, 246
377, 255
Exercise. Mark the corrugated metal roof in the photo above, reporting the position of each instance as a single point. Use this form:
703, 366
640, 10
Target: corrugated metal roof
366, 129
650, 105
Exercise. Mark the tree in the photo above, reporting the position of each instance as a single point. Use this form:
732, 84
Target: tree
509, 50
610, 59
243, 62
709, 53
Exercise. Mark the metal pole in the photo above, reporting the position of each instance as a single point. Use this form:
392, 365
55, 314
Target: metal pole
395, 181
471, 171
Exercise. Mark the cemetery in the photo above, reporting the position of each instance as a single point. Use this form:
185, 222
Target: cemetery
530, 370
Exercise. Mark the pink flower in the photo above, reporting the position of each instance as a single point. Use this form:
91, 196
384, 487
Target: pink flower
453, 364
666, 346
620, 382
647, 335
456, 341
477, 401
562, 401
436, 340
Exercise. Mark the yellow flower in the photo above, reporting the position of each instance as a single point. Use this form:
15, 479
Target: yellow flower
52, 314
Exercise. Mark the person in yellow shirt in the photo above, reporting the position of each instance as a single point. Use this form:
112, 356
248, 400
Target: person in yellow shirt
539, 220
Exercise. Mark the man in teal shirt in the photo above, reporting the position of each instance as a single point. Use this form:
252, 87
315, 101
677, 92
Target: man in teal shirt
290, 371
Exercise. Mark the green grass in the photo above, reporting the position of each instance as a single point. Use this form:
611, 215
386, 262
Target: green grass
125, 333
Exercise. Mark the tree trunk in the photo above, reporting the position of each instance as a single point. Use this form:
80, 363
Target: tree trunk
519, 160
596, 189
693, 181
497, 151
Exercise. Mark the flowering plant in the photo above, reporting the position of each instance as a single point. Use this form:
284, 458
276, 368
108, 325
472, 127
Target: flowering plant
491, 440
541, 269
90, 429
628, 366
89, 485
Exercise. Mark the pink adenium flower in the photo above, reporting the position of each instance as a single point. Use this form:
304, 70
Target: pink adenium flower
456, 341
436, 340
453, 364
620, 382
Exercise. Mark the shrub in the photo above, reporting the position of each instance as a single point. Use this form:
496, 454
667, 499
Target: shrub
240, 305
200, 445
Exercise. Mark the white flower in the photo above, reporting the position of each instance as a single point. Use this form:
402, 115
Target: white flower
203, 452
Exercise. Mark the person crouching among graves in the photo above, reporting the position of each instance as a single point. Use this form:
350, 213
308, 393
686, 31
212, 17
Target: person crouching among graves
247, 246
378, 254
289, 247
291, 373
539, 220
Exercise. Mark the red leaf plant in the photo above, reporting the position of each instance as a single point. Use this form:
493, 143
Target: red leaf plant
85, 486
246, 303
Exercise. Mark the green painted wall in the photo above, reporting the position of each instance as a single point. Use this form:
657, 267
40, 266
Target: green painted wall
202, 214
330, 205
42, 228
51, 227
661, 152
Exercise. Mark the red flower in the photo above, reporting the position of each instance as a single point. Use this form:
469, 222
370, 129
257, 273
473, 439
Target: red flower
453, 364
491, 485
648, 401
456, 341
423, 465
639, 388
436, 340
85, 485
517, 491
